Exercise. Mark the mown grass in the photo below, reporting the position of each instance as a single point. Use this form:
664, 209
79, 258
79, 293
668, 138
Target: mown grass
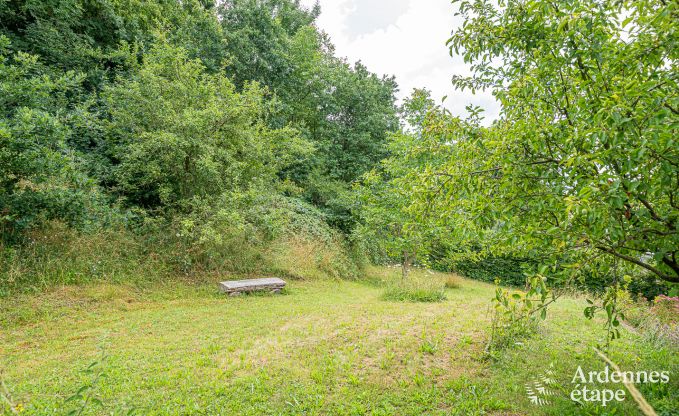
326, 347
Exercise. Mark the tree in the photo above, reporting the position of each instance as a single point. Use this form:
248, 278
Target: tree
386, 222
389, 221
345, 110
258, 33
583, 164
85, 36
40, 179
177, 133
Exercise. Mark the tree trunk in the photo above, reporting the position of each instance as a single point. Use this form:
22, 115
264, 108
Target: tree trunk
405, 265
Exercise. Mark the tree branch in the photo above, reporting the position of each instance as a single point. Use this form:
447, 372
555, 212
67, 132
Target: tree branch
659, 273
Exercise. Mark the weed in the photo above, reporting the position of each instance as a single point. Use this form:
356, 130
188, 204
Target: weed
429, 346
452, 282
413, 294
86, 396
421, 289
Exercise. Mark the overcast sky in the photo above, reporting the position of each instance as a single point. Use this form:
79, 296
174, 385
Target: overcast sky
405, 38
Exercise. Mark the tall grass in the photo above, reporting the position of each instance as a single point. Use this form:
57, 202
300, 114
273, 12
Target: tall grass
657, 321
57, 255
420, 286
304, 258
414, 292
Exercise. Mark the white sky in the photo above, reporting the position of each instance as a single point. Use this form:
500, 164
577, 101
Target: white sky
405, 38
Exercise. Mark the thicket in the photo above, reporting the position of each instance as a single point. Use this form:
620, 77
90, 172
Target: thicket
152, 138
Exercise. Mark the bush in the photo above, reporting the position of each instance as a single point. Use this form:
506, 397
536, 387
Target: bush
508, 269
648, 286
41, 178
513, 320
181, 134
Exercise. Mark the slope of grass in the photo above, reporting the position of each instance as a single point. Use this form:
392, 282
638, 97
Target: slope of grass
325, 347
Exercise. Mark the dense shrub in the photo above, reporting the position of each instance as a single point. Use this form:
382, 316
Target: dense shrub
509, 270
648, 286
40, 179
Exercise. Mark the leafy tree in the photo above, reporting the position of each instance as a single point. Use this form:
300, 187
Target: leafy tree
345, 111
389, 220
86, 35
258, 34
39, 178
386, 224
583, 163
177, 133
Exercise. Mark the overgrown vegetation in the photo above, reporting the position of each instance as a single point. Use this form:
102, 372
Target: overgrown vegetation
190, 141
411, 290
172, 138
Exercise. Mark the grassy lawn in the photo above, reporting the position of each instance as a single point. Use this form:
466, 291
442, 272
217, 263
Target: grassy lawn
324, 347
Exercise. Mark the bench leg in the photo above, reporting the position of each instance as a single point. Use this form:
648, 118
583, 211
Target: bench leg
234, 294
276, 291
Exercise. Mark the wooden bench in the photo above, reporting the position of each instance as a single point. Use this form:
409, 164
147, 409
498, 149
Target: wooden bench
236, 287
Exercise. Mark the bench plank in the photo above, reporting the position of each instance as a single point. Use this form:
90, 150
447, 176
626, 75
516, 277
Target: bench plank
251, 285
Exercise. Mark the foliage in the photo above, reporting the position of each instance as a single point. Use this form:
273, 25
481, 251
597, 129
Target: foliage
40, 179
389, 221
276, 237
648, 286
351, 128
614, 315
516, 315
580, 172
211, 134
258, 35
178, 135
85, 36
184, 115
509, 270
344, 110
583, 160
